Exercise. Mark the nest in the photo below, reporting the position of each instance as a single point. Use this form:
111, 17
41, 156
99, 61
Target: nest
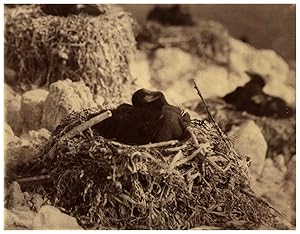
167, 185
208, 40
44, 48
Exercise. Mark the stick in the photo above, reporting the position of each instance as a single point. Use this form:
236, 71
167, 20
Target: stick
159, 144
79, 129
181, 147
209, 114
33, 179
86, 125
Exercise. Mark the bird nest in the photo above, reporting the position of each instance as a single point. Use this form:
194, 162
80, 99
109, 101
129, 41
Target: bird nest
44, 48
208, 40
167, 185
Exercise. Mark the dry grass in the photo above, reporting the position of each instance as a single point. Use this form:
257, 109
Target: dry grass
108, 185
44, 48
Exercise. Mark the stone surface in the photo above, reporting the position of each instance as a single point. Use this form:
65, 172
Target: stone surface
267, 63
140, 70
37, 201
9, 135
217, 81
279, 188
16, 198
65, 97
32, 104
12, 106
18, 220
279, 162
51, 218
171, 65
26, 149
250, 141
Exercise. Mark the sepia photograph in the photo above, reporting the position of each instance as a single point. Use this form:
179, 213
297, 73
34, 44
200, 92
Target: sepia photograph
149, 116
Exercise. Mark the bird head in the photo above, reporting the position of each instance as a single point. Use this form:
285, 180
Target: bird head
256, 79
145, 97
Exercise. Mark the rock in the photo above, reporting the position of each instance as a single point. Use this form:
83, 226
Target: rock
140, 70
16, 198
99, 100
12, 106
204, 227
37, 201
39, 137
279, 162
224, 82
266, 63
50, 218
278, 188
32, 104
27, 149
18, 220
65, 97
250, 141
171, 65
10, 75
271, 173
9, 135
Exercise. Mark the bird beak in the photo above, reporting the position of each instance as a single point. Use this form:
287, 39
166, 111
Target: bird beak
151, 97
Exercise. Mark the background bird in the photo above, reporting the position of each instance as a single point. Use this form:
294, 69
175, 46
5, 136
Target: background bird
252, 99
71, 9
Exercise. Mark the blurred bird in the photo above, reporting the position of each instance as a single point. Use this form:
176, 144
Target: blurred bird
71, 9
149, 119
173, 15
59, 9
252, 99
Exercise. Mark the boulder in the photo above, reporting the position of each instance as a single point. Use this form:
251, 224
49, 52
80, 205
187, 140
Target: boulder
17, 219
139, 69
217, 81
279, 162
32, 104
249, 140
278, 187
9, 135
213, 81
51, 218
64, 98
26, 149
37, 202
12, 106
266, 63
171, 65
38, 138
16, 200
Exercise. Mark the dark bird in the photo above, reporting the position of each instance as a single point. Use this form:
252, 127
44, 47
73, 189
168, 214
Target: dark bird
71, 9
252, 99
172, 125
173, 15
60, 9
149, 119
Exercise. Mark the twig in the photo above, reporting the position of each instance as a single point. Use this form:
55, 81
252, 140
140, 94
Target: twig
159, 144
209, 114
79, 129
33, 179
193, 155
86, 125
177, 157
174, 149
194, 138
267, 203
